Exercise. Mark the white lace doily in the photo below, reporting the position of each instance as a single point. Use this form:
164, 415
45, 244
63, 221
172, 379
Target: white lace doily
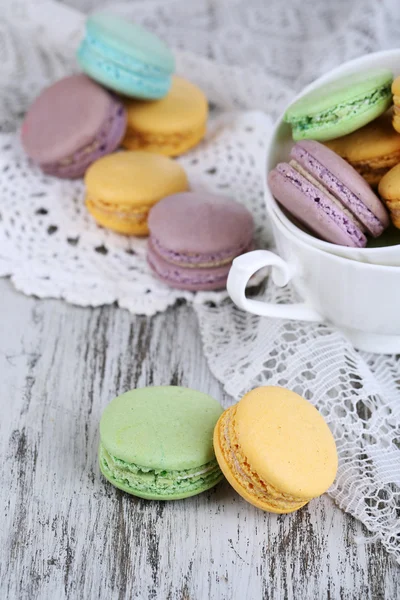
51, 246
246, 56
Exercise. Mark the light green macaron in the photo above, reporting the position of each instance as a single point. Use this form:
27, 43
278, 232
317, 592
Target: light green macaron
157, 442
341, 106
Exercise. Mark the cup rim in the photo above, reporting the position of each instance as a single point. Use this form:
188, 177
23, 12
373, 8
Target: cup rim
275, 218
272, 204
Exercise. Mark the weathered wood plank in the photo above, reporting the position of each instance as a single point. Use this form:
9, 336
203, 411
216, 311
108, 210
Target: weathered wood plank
66, 533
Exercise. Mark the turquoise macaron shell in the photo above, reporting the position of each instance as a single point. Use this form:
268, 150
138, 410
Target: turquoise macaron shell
126, 58
340, 107
156, 442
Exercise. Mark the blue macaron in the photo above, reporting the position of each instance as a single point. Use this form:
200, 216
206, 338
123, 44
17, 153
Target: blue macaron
125, 58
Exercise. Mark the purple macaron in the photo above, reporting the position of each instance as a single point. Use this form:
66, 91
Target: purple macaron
195, 236
328, 196
71, 124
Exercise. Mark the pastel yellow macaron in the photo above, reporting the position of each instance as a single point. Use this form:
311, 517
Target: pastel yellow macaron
389, 191
275, 449
122, 187
169, 126
372, 150
396, 102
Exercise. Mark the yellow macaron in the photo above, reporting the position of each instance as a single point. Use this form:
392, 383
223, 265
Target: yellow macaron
122, 187
169, 126
389, 190
275, 449
371, 150
396, 102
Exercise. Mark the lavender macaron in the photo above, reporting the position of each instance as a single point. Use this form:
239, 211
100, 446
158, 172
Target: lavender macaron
71, 124
328, 196
195, 236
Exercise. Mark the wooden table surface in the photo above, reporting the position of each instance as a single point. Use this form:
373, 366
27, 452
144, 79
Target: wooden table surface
66, 533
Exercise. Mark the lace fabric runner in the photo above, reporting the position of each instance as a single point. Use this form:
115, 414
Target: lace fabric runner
250, 58
51, 247
358, 394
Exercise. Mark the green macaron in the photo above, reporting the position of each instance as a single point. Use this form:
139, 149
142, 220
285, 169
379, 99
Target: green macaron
341, 106
157, 442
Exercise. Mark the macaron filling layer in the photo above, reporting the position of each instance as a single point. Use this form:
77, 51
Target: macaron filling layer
137, 214
181, 276
340, 111
376, 167
332, 197
140, 139
107, 140
100, 47
198, 260
157, 482
330, 205
323, 178
99, 67
243, 472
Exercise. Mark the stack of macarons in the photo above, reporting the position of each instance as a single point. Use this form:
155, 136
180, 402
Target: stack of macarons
169, 443
83, 117
128, 96
344, 165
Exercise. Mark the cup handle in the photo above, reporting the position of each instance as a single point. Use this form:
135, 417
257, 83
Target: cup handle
244, 266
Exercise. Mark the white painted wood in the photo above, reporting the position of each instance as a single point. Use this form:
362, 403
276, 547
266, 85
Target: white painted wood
66, 533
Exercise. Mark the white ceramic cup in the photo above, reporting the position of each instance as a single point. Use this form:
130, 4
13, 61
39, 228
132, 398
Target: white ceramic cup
385, 250
359, 298
362, 300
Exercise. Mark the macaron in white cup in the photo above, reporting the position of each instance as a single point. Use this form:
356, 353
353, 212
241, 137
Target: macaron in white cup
338, 284
384, 250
